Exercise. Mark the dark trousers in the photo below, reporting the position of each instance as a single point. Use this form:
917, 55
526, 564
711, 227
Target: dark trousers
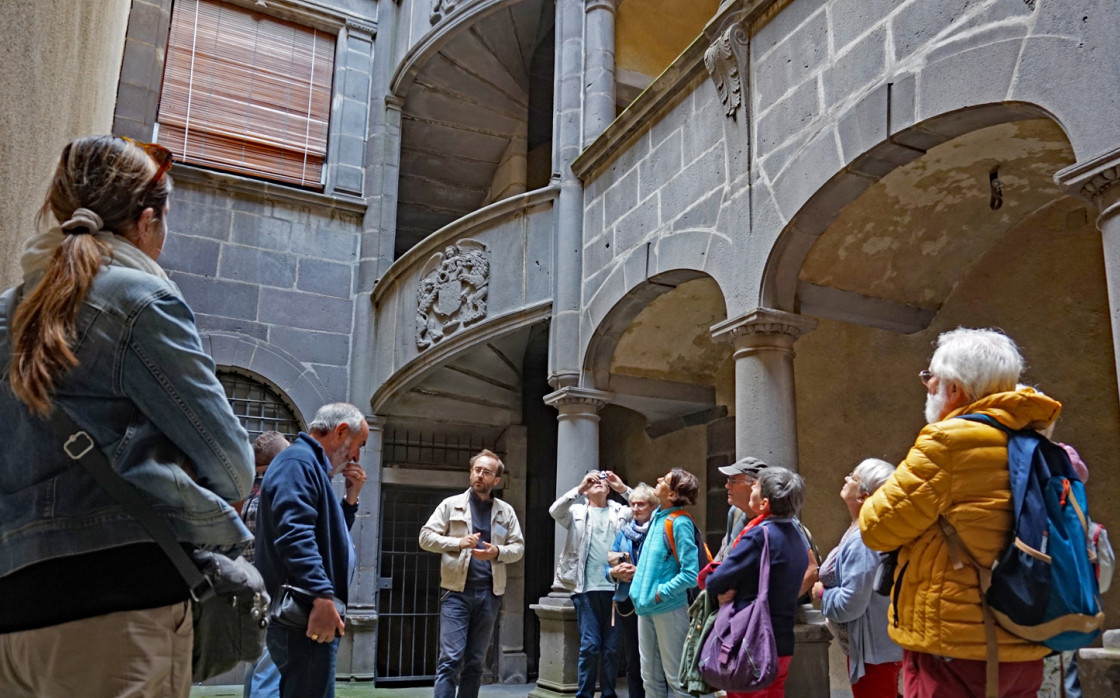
466, 621
306, 667
629, 626
598, 643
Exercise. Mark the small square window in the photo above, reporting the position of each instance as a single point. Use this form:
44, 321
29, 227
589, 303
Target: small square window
247, 93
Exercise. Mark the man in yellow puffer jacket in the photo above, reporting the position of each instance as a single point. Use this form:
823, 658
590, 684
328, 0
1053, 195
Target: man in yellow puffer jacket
956, 469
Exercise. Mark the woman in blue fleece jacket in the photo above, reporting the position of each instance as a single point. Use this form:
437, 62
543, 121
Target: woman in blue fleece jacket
661, 583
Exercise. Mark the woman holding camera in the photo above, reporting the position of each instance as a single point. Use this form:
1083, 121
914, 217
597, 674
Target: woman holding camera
625, 553
93, 606
857, 615
592, 521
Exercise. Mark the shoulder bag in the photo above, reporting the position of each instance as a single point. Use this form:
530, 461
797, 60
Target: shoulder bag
230, 604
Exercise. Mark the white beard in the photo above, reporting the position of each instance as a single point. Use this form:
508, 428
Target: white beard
935, 406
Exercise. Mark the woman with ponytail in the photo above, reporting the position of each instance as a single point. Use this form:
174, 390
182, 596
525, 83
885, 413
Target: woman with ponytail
89, 604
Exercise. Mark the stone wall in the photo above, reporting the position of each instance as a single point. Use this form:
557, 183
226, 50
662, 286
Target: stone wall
276, 272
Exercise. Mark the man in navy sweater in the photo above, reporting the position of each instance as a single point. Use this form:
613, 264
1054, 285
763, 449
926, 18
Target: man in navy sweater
303, 540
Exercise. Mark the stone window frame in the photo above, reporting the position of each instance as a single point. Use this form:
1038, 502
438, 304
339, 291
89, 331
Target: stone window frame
141, 81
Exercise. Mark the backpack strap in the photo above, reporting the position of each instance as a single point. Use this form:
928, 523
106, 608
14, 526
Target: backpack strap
669, 532
958, 555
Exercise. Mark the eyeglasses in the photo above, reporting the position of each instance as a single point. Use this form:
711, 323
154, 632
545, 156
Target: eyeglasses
739, 480
482, 471
925, 377
161, 155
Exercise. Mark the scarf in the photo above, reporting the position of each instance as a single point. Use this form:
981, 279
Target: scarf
39, 249
635, 531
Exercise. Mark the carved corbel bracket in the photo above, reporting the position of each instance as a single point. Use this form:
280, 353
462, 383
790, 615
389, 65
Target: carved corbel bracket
442, 8
726, 61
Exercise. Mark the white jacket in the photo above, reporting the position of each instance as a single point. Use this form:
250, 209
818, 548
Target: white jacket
570, 511
451, 521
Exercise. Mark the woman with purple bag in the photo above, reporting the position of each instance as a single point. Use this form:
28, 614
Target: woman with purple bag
777, 495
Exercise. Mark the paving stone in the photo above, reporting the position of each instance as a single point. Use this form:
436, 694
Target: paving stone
256, 266
189, 254
312, 347
305, 310
788, 117
215, 297
326, 278
793, 61
856, 69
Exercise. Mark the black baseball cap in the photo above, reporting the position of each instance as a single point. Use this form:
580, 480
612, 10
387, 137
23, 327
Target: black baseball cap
744, 466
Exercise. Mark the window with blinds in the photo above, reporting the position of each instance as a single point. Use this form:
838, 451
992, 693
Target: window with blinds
246, 93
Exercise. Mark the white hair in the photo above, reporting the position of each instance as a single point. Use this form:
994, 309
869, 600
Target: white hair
872, 473
981, 362
644, 493
329, 417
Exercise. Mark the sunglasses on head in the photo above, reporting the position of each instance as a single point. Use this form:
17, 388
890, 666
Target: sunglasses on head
161, 155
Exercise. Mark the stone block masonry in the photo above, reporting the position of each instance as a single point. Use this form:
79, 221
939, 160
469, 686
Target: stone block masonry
277, 272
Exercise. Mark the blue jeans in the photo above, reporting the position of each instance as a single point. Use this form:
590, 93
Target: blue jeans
264, 680
466, 621
306, 666
598, 643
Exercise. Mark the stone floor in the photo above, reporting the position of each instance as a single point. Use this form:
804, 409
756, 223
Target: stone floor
367, 690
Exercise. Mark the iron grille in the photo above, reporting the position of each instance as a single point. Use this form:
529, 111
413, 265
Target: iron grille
258, 406
409, 595
432, 450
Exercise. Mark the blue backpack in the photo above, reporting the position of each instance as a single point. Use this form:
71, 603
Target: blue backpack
1043, 587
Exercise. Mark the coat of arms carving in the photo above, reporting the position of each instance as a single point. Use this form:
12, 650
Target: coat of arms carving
452, 291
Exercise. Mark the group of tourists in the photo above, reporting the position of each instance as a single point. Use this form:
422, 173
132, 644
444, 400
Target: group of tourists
108, 393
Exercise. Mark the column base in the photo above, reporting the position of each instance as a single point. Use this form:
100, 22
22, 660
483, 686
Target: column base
1099, 668
357, 652
558, 669
808, 672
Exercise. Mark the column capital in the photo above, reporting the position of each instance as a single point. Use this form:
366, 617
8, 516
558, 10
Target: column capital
765, 327
394, 102
579, 400
376, 422
1094, 180
608, 5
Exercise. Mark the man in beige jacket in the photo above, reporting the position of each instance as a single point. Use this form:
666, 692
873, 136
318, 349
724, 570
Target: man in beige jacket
477, 535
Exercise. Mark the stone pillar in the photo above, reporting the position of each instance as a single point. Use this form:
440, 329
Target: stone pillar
513, 664
766, 428
765, 403
598, 70
1098, 182
357, 653
577, 451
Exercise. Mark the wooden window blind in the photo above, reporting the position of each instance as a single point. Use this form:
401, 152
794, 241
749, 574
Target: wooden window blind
247, 93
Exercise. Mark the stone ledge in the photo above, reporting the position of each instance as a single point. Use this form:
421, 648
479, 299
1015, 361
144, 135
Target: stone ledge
269, 191
311, 14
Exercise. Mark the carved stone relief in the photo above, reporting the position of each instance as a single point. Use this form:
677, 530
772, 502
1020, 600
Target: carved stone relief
726, 60
442, 8
452, 291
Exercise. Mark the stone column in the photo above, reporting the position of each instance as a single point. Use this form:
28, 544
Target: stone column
1098, 182
765, 402
357, 653
577, 451
766, 428
598, 69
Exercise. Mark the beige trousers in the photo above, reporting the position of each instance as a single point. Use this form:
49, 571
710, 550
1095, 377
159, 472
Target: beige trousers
133, 654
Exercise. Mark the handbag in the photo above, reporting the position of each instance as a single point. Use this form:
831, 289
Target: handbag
230, 604
741, 654
292, 607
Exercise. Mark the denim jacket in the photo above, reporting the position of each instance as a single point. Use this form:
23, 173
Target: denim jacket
147, 393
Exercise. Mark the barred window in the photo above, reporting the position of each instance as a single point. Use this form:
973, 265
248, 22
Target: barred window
258, 406
247, 93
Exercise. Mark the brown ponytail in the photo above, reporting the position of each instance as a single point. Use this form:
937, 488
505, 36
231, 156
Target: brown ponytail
112, 179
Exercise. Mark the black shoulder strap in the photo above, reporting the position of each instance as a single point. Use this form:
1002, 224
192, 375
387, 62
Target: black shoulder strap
80, 447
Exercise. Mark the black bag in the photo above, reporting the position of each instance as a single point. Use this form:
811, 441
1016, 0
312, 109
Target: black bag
884, 573
230, 609
292, 607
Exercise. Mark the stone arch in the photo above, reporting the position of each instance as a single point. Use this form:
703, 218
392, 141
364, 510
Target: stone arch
778, 289
271, 364
645, 274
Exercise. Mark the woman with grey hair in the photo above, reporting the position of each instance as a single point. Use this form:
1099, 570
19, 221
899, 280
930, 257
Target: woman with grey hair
857, 615
622, 563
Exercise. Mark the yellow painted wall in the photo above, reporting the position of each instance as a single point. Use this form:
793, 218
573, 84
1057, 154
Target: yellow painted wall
59, 65
649, 34
858, 393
